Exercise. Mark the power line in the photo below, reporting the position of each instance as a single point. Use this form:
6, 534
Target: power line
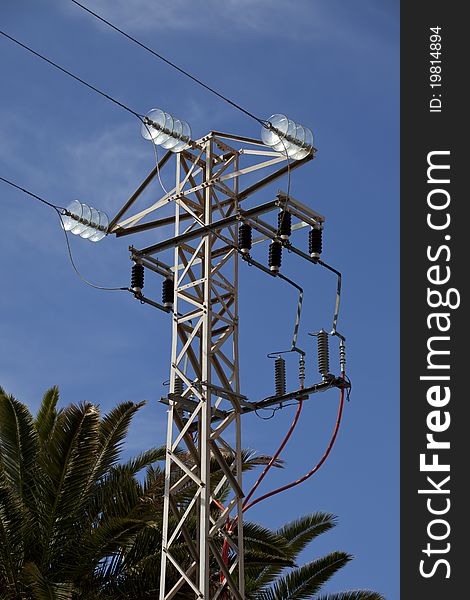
70, 74
25, 191
171, 64
88, 85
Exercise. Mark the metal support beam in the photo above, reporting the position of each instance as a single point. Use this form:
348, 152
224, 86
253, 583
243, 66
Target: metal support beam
140, 189
212, 227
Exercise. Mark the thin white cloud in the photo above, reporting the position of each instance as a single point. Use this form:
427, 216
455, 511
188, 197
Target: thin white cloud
16, 136
277, 18
276, 21
104, 168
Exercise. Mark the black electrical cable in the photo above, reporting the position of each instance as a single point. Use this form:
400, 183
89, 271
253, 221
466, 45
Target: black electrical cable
25, 191
264, 123
93, 88
274, 410
70, 74
72, 262
58, 210
349, 389
172, 64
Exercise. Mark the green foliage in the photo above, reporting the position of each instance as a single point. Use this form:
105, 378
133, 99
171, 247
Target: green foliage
65, 503
305, 581
354, 595
47, 415
18, 441
76, 523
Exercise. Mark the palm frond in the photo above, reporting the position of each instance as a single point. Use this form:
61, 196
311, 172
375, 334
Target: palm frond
264, 541
144, 460
112, 432
296, 535
255, 560
42, 589
65, 469
260, 577
147, 543
106, 540
113, 485
301, 583
251, 459
142, 581
14, 523
18, 444
262, 564
47, 414
302, 531
353, 595
154, 481
118, 494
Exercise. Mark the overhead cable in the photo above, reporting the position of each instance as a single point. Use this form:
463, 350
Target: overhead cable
70, 74
25, 191
170, 63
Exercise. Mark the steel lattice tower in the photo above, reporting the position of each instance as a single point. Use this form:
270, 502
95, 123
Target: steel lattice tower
204, 452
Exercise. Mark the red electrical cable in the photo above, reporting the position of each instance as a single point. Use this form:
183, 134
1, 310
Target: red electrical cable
317, 466
274, 458
225, 552
217, 503
230, 527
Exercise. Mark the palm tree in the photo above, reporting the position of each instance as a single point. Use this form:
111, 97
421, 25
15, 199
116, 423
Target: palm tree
77, 524
74, 522
54, 471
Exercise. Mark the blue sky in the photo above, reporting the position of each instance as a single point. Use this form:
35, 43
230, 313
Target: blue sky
329, 64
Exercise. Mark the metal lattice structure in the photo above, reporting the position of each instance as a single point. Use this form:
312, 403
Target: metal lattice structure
204, 403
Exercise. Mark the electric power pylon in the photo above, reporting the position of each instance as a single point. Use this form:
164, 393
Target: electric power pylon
205, 406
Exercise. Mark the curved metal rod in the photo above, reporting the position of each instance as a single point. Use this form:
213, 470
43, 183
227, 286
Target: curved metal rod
316, 261
299, 309
338, 295
255, 263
